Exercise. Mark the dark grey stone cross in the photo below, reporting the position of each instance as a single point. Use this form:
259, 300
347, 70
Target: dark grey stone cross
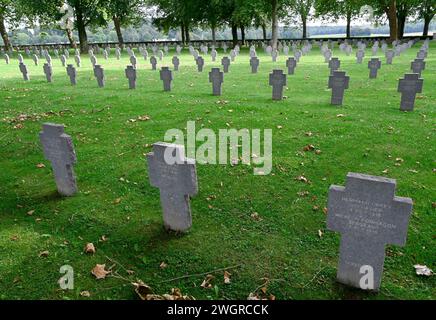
409, 87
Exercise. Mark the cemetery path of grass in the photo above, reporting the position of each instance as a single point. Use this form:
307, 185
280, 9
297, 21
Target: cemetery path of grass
116, 200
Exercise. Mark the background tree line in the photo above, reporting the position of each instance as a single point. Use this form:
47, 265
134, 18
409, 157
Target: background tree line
187, 19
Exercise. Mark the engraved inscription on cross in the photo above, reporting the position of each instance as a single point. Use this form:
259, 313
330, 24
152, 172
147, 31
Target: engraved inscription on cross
278, 80
369, 216
59, 150
216, 77
409, 87
176, 177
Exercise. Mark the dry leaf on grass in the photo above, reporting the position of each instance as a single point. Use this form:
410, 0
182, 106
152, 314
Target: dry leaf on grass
99, 271
40, 165
206, 282
163, 265
146, 293
44, 253
422, 270
85, 294
227, 277
89, 248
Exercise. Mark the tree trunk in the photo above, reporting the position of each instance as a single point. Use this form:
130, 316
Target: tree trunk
182, 30
427, 21
81, 28
392, 16
235, 34
4, 34
304, 19
213, 35
275, 24
187, 36
348, 25
243, 35
264, 32
71, 38
401, 26
117, 24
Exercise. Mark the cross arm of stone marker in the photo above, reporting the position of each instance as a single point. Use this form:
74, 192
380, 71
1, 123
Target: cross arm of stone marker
176, 181
362, 193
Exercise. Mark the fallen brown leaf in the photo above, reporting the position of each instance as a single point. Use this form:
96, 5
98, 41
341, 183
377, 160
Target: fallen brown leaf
89, 248
99, 271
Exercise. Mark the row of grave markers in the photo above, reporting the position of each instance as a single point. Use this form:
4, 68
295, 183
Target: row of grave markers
366, 211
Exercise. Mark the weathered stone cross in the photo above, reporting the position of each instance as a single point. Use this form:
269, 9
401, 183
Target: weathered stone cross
338, 82
59, 150
176, 177
166, 75
369, 216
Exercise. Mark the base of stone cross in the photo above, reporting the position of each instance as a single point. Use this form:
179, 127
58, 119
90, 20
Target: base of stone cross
337, 101
407, 103
176, 211
65, 179
351, 260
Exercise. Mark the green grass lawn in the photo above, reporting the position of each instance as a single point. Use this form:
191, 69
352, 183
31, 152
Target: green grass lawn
116, 200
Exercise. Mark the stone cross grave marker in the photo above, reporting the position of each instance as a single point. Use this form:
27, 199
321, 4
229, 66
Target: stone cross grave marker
131, 76
373, 65
67, 53
176, 63
153, 62
369, 216
216, 77
334, 65
72, 73
213, 54
417, 66
291, 63
327, 55
160, 55
277, 79
409, 87
232, 55
78, 61
35, 59
63, 60
254, 63
7, 59
48, 71
360, 54
200, 63
118, 53
59, 150
338, 82
99, 75
20, 58
422, 54
166, 75
133, 60
176, 177
93, 61
389, 54
24, 71
105, 54
225, 62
